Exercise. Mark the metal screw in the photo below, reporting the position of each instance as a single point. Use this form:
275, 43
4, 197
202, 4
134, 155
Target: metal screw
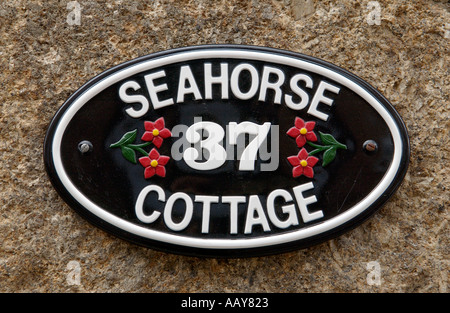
370, 146
85, 147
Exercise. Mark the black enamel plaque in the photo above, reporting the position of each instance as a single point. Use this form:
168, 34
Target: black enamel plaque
226, 151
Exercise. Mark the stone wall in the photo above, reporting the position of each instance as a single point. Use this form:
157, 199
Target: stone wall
48, 49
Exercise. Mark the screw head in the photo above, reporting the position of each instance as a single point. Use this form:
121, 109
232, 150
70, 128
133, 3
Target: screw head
85, 147
370, 146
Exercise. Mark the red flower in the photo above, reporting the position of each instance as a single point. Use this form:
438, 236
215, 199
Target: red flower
303, 164
154, 164
156, 132
302, 132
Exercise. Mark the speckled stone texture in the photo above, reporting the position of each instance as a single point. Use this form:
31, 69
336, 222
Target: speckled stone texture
43, 60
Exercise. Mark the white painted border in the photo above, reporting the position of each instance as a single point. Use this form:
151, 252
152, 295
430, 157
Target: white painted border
233, 53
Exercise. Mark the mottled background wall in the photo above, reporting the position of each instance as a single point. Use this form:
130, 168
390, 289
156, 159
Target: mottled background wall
400, 47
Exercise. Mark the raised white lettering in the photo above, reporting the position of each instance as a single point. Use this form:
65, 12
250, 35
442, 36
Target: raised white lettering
153, 90
187, 214
287, 209
303, 203
206, 200
320, 98
254, 206
133, 99
275, 86
298, 91
187, 76
139, 207
233, 201
222, 80
235, 81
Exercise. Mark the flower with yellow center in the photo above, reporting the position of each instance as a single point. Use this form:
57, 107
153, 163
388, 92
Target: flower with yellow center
154, 164
303, 164
302, 132
156, 132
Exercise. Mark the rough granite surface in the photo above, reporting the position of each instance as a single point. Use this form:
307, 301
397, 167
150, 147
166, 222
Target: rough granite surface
45, 56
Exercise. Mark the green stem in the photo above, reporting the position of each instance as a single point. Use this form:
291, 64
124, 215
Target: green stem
139, 147
319, 148
142, 145
314, 145
315, 151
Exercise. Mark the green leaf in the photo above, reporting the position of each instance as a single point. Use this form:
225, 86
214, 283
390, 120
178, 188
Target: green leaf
128, 154
126, 139
328, 139
329, 156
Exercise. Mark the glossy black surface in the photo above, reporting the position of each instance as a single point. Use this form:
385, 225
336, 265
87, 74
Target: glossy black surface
107, 179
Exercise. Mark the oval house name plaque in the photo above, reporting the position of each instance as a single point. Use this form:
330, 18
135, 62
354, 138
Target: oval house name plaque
226, 151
